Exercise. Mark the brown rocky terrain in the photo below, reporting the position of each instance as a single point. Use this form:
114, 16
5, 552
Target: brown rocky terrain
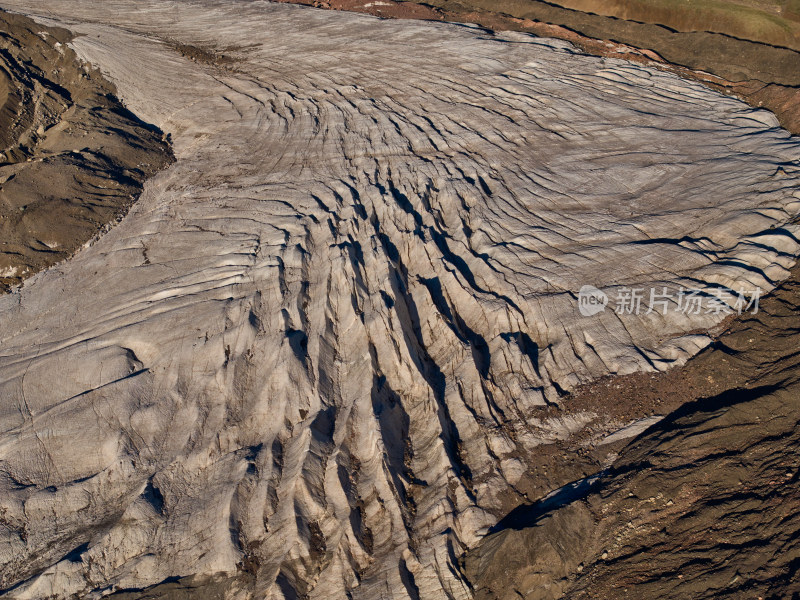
72, 158
704, 504
770, 22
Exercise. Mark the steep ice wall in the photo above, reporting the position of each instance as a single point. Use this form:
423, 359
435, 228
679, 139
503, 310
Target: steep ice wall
316, 352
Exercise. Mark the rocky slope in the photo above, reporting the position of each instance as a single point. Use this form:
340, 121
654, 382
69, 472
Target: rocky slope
72, 158
769, 22
316, 358
704, 505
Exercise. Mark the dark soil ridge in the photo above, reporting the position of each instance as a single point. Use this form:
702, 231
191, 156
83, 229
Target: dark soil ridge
73, 159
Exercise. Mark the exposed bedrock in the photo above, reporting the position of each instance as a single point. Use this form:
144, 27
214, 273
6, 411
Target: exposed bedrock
750, 45
775, 23
315, 355
72, 158
703, 505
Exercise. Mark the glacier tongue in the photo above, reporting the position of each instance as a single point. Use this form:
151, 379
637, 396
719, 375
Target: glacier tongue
317, 350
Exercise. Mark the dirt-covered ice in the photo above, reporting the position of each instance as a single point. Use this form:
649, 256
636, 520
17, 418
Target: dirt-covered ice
314, 356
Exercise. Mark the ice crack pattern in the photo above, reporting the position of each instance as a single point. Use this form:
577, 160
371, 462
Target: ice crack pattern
314, 356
